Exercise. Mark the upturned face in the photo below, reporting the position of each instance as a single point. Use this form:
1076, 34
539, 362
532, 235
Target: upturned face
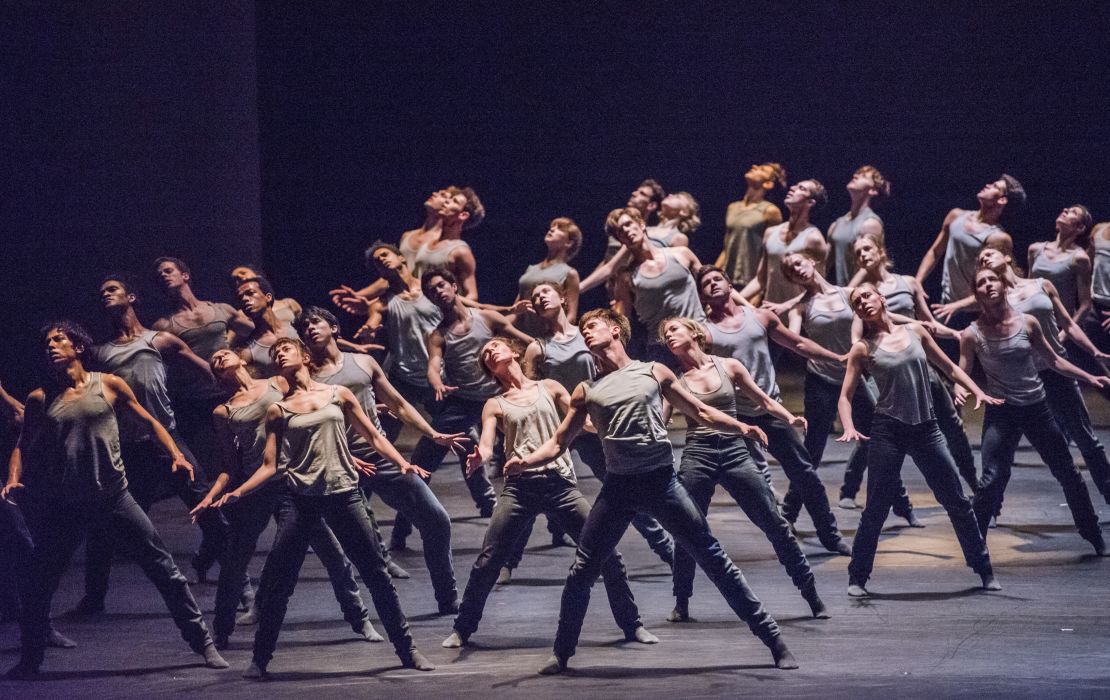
318, 332
800, 193
441, 292
630, 232
798, 269
436, 200
759, 175
170, 276
861, 182
868, 303
113, 295
386, 260
714, 287
868, 255
497, 354
992, 192
641, 199
546, 300
677, 336
224, 362
1071, 220
288, 357
252, 299
993, 259
989, 288
597, 333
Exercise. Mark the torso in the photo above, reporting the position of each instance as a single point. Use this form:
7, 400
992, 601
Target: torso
462, 341
747, 342
827, 320
900, 368
567, 361
842, 236
246, 420
139, 363
409, 320
745, 225
899, 296
776, 248
1006, 353
529, 418
539, 273
966, 236
626, 406
663, 288
1059, 269
351, 375
714, 387
314, 446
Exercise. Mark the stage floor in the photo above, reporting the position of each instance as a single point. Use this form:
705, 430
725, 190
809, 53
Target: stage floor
926, 631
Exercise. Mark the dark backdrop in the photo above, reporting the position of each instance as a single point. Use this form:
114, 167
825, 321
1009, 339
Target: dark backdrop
319, 127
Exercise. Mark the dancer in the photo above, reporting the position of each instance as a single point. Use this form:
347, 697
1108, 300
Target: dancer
240, 424
68, 474
309, 427
679, 217
401, 488
794, 235
1065, 262
625, 405
897, 357
905, 298
527, 412
712, 458
746, 221
1006, 341
286, 308
138, 356
867, 184
563, 240
256, 298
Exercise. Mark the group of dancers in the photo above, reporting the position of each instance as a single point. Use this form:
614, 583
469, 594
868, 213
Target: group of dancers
291, 422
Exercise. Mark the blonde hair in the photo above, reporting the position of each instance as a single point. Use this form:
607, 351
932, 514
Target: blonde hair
701, 335
880, 243
689, 223
610, 317
574, 234
611, 226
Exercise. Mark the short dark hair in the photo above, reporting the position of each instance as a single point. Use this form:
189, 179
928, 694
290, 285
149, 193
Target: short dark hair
513, 344
705, 270
375, 247
657, 192
262, 282
73, 330
125, 280
177, 262
311, 314
819, 194
282, 342
426, 278
1015, 193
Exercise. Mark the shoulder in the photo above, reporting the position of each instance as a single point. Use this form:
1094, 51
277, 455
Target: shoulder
552, 386
953, 215
365, 362
37, 396
161, 324
113, 382
220, 411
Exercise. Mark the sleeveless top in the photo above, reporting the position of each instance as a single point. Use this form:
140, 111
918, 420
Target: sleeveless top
902, 378
751, 347
425, 258
355, 378
247, 424
1060, 273
567, 362
74, 456
536, 274
831, 330
461, 361
723, 398
314, 450
901, 299
1008, 364
671, 293
744, 240
528, 427
140, 365
842, 236
260, 363
1100, 277
407, 324
626, 407
661, 237
960, 258
205, 339
1039, 305
778, 289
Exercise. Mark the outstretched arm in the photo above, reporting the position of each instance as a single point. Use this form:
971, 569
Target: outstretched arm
605, 270
792, 341
742, 380
935, 253
269, 461
123, 399
568, 430
693, 407
951, 370
1059, 364
852, 372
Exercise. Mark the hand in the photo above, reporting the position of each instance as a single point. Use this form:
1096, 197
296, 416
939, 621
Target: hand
799, 422
365, 468
1101, 381
182, 464
452, 441
367, 332
961, 394
442, 390
17, 414
982, 398
382, 410
842, 359
365, 348
524, 306
228, 498
10, 490
408, 468
474, 462
777, 309
513, 466
850, 435
1106, 321
1101, 356
1062, 336
943, 312
350, 301
204, 505
753, 432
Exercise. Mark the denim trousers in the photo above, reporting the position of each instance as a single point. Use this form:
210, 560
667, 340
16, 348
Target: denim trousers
1066, 401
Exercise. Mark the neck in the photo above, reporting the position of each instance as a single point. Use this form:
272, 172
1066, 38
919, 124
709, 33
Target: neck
559, 323
1009, 275
642, 252
877, 273
330, 352
997, 312
722, 308
818, 285
432, 222
555, 256
799, 219
668, 223
990, 213
241, 380
883, 324
691, 356
859, 202
457, 309
451, 230
127, 323
299, 380
73, 373
611, 357
754, 194
184, 297
266, 321
1065, 240
511, 377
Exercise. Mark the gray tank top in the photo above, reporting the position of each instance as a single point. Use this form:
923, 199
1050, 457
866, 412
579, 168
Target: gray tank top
74, 455
528, 427
831, 330
1039, 305
901, 299
408, 323
723, 398
744, 240
427, 258
567, 362
751, 347
460, 360
260, 364
1062, 274
247, 424
842, 236
960, 258
206, 339
903, 381
536, 274
671, 293
361, 385
1008, 364
140, 365
1100, 279
314, 450
626, 407
778, 289
662, 237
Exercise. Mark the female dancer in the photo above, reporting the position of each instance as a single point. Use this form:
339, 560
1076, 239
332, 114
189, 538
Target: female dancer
1098, 323
827, 319
679, 217
527, 412
309, 428
1005, 341
747, 219
897, 357
1065, 262
563, 240
712, 458
240, 425
905, 298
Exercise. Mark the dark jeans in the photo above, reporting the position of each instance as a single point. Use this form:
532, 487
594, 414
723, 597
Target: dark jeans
456, 415
521, 499
1003, 427
724, 459
785, 446
891, 441
16, 547
409, 495
589, 450
952, 427
657, 492
249, 518
345, 514
821, 398
58, 527
1066, 401
148, 472
194, 422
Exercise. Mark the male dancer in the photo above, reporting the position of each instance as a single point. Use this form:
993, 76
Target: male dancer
867, 184
67, 471
137, 356
256, 298
746, 221
625, 404
402, 489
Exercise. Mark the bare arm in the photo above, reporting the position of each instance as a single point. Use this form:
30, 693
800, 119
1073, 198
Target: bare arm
1083, 285
463, 265
533, 356
935, 253
229, 459
12, 406
121, 398
1069, 325
794, 318
742, 380
435, 365
358, 420
399, 406
558, 443
605, 270
169, 344
951, 370
491, 411
31, 421
789, 339
499, 324
693, 407
570, 287
852, 372
1059, 364
269, 460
